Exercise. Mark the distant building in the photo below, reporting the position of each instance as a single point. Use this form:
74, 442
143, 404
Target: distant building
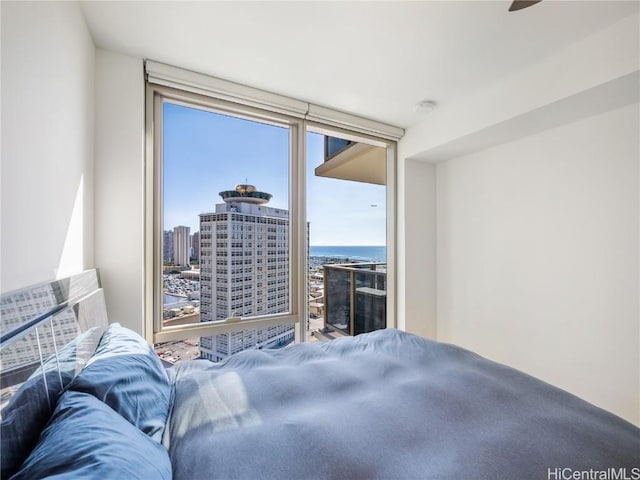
167, 246
195, 246
244, 270
181, 245
193, 274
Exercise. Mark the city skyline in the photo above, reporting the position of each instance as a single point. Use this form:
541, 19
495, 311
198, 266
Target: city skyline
206, 153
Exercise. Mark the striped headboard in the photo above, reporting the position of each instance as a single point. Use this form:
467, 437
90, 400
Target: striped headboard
37, 323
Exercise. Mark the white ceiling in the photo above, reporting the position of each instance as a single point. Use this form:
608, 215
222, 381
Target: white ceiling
375, 59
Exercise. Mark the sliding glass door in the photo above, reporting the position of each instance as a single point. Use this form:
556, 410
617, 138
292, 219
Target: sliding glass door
350, 231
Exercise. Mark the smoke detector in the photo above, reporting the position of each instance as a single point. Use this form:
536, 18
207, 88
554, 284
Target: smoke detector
425, 106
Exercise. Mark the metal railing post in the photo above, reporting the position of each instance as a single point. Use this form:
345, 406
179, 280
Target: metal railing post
352, 302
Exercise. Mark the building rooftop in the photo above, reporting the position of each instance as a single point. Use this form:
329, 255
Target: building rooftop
245, 193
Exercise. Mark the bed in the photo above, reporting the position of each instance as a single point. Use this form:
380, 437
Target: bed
386, 405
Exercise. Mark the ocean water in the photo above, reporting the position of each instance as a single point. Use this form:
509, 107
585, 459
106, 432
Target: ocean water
168, 298
361, 252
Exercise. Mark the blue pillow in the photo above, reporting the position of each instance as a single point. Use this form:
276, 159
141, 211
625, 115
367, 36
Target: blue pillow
31, 406
126, 374
86, 439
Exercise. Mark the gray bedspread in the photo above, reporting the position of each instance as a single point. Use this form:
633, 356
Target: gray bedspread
385, 405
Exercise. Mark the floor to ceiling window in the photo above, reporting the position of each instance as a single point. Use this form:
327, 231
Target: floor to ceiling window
263, 228
346, 200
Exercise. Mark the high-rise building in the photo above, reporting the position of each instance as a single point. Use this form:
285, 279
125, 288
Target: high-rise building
181, 245
244, 270
195, 246
167, 246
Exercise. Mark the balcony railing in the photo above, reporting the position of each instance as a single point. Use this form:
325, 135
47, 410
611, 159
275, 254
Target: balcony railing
355, 297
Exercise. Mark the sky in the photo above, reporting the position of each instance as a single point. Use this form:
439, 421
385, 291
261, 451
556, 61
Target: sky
206, 153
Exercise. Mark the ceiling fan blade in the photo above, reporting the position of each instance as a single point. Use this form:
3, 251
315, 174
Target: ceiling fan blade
520, 4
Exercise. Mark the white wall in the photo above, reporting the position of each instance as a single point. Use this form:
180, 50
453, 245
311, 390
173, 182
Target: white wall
119, 185
593, 75
416, 245
47, 148
538, 254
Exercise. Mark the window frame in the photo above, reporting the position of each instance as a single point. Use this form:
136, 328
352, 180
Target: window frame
390, 147
155, 331
155, 95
